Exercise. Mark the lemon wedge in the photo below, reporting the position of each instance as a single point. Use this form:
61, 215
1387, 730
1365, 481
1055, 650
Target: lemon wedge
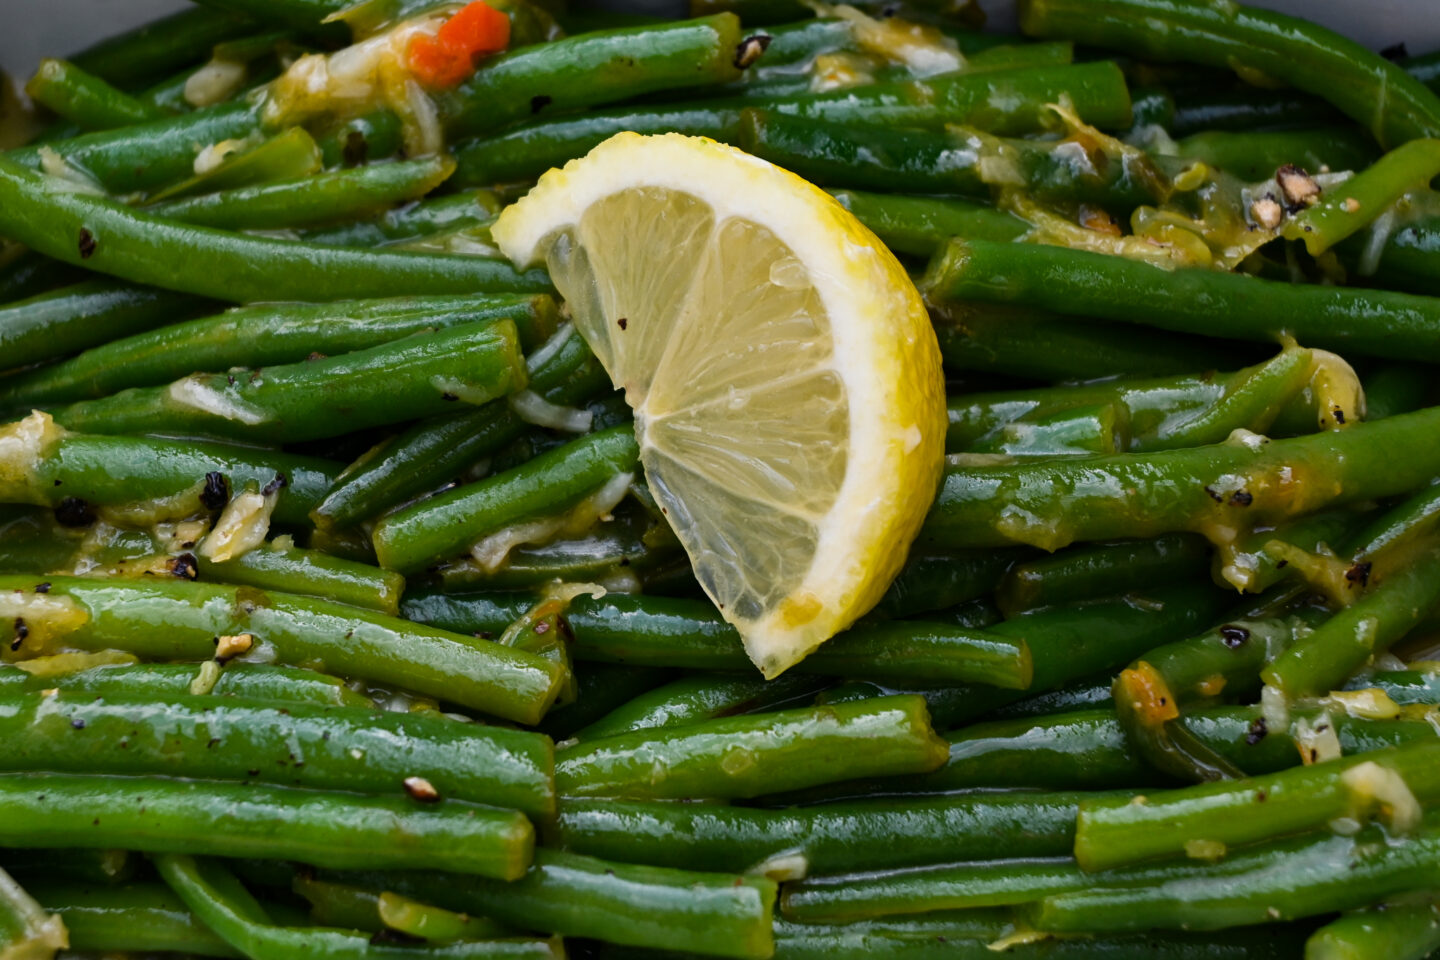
786, 383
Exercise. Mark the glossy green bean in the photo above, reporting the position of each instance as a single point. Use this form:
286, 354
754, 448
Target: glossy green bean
141, 918
1112, 834
828, 838
1256, 156
337, 195
695, 699
306, 745
84, 99
736, 757
918, 225
1249, 39
104, 868
50, 325
268, 334
221, 901
1363, 630
1248, 109
1045, 346
1394, 931
1309, 875
593, 69
106, 236
1080, 283
600, 689
179, 620
435, 451
445, 525
150, 477
1153, 493
410, 221
933, 581
29, 274
354, 908
718, 914
339, 830
1248, 565
164, 681
1094, 571
310, 573
160, 46
1357, 202
326, 397
26, 929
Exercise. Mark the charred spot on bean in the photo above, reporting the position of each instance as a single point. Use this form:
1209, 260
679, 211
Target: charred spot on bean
42, 587
1282, 564
356, 149
1257, 732
1233, 635
1339, 415
1242, 498
74, 512
315, 355
539, 102
87, 244
279, 483
22, 630
750, 49
622, 323
1358, 573
1261, 796
185, 566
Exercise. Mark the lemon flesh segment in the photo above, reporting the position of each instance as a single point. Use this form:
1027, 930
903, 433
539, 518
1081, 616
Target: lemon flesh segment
784, 375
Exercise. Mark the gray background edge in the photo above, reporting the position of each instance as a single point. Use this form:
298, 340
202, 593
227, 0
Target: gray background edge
41, 28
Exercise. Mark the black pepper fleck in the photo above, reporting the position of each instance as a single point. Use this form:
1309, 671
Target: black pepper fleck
87, 244
1257, 731
538, 103
1233, 636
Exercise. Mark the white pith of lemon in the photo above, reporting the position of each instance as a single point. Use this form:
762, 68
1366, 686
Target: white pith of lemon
785, 377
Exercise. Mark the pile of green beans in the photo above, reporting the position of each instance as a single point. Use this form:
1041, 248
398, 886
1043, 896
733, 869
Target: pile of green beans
337, 618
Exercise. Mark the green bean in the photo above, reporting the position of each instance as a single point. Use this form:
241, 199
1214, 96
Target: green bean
1256, 561
164, 681
160, 46
1002, 102
838, 154
142, 918
918, 225
593, 69
1074, 641
148, 156
750, 756
267, 334
1096, 570
1393, 931
307, 745
434, 451
1254, 42
410, 221
717, 914
443, 526
152, 478
1256, 156
339, 905
341, 830
289, 154
1250, 110
1306, 876
657, 631
933, 581
326, 397
338, 195
219, 900
1350, 206
600, 689
105, 236
1077, 432
1084, 693
364, 139
1393, 388
1113, 834
84, 99
50, 325
1080, 283
1044, 346
1408, 256
179, 620
310, 573
1136, 495
1365, 629
695, 699
829, 838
